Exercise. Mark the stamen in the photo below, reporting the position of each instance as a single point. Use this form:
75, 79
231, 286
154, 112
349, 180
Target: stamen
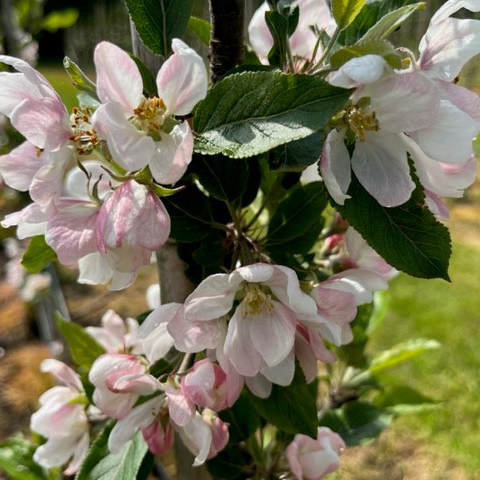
359, 122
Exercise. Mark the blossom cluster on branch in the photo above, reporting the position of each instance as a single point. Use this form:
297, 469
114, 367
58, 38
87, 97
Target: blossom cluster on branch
283, 282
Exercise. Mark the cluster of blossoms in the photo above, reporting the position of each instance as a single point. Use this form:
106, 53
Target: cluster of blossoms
94, 176
418, 111
233, 319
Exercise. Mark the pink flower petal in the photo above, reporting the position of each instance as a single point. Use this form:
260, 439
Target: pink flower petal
172, 155
131, 148
20, 166
118, 78
182, 80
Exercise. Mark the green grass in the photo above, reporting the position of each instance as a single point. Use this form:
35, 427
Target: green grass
449, 313
61, 82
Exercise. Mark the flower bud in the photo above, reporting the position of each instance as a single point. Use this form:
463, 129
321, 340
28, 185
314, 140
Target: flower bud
313, 459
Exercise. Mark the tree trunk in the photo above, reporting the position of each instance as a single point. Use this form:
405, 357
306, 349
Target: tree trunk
227, 45
8, 28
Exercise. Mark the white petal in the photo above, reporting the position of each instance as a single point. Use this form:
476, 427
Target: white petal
448, 45
139, 417
20, 166
359, 71
335, 166
130, 148
182, 81
381, 166
282, 373
172, 154
212, 298
449, 138
197, 437
118, 78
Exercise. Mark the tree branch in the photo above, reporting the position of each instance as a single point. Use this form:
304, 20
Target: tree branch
227, 47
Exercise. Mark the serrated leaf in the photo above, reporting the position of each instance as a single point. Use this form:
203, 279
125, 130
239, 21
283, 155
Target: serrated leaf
221, 177
158, 21
295, 156
297, 222
401, 353
149, 84
408, 237
16, 459
100, 464
38, 254
345, 11
201, 28
85, 349
291, 409
391, 21
383, 48
252, 112
357, 422
281, 26
190, 215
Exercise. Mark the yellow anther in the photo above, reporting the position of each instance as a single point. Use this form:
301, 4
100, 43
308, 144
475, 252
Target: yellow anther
359, 121
150, 114
255, 301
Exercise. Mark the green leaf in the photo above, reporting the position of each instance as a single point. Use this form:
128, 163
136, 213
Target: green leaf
210, 252
242, 418
229, 464
281, 26
401, 353
190, 215
297, 222
149, 84
100, 464
401, 399
345, 11
221, 177
382, 48
391, 21
295, 156
252, 112
408, 237
201, 28
59, 19
16, 459
291, 409
371, 13
357, 422
158, 21
79, 78
85, 349
37, 255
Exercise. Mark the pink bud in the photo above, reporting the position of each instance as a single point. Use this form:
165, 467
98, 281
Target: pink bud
206, 385
158, 437
313, 459
132, 216
219, 429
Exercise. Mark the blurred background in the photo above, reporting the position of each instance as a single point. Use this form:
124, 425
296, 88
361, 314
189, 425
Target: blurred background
440, 443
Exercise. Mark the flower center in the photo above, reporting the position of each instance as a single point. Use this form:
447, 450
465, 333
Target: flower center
359, 121
150, 115
83, 133
255, 301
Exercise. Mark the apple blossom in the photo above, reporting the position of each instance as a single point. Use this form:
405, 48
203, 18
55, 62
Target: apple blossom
62, 420
313, 459
142, 131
